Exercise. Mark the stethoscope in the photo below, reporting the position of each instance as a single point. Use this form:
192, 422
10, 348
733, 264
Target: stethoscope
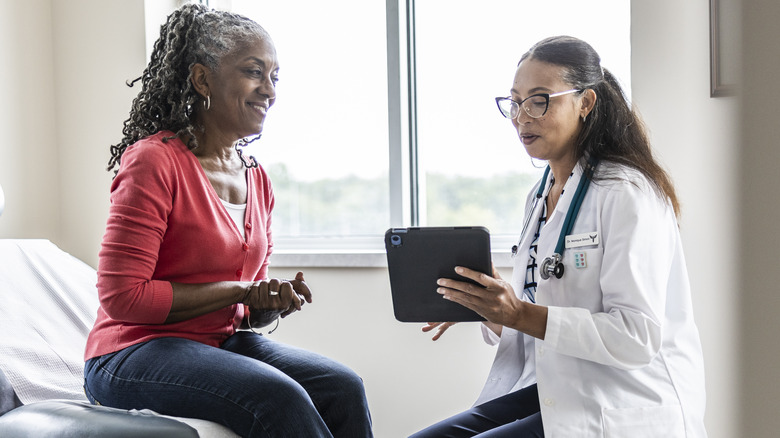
552, 265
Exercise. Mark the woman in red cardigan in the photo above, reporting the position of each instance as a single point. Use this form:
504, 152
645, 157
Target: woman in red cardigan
184, 260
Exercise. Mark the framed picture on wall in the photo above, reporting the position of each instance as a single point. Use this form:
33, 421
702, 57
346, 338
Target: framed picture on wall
724, 51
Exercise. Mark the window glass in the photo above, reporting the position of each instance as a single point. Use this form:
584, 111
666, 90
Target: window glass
473, 168
325, 141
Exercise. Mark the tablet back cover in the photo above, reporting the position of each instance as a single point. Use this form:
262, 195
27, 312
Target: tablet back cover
418, 256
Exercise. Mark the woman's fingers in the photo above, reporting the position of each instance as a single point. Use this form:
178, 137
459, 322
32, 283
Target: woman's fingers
270, 295
483, 279
292, 298
301, 288
430, 326
440, 327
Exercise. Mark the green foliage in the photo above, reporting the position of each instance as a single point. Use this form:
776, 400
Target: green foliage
357, 206
347, 206
497, 203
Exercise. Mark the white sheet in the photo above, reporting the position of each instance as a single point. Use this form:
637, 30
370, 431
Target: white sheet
48, 303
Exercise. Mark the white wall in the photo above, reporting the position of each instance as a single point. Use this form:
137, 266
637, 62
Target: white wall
695, 137
97, 45
65, 63
64, 69
29, 168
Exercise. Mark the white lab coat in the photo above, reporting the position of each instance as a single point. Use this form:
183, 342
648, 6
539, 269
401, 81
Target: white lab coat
621, 355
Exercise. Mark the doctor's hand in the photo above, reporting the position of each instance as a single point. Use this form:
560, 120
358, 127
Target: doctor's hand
495, 300
440, 326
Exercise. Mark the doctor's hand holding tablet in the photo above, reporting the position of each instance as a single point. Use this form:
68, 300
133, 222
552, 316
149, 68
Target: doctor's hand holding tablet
595, 333
496, 301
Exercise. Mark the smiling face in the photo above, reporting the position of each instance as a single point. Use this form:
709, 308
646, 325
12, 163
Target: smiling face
241, 90
553, 136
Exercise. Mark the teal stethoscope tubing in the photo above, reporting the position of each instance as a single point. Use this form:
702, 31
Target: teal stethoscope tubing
574, 208
552, 265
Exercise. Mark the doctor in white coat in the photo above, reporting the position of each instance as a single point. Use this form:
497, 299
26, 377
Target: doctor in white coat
609, 349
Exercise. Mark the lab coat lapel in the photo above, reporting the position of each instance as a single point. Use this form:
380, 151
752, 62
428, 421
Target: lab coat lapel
521, 256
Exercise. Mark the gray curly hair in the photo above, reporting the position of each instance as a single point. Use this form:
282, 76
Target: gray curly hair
167, 100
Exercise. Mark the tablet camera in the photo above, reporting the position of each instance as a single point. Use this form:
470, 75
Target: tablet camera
395, 240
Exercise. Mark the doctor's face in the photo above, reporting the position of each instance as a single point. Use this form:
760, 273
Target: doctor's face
552, 136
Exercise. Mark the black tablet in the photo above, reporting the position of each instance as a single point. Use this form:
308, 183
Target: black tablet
418, 256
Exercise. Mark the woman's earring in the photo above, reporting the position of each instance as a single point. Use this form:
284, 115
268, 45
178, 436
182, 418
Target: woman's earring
207, 103
585, 117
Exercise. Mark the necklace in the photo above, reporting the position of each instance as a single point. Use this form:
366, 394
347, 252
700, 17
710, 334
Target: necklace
251, 162
552, 198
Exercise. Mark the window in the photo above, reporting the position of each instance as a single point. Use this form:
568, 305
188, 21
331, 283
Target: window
325, 141
385, 114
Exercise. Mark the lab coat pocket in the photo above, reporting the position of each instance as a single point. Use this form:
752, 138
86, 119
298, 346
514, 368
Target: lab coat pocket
580, 278
648, 422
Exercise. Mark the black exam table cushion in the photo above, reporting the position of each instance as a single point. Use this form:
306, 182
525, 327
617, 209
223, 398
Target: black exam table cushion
73, 419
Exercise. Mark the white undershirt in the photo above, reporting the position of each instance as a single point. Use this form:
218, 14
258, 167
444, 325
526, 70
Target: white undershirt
237, 213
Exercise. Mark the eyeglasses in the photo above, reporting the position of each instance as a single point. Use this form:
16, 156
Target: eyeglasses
535, 106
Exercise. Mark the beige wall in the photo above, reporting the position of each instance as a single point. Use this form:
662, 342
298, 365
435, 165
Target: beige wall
65, 63
694, 136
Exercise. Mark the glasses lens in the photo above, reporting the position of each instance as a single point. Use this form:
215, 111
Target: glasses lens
536, 106
508, 108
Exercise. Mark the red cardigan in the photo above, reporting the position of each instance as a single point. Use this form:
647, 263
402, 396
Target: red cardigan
166, 224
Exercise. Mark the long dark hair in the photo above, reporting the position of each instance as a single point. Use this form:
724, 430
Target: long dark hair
167, 100
613, 130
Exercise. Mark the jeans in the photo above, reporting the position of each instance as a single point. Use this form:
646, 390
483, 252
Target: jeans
255, 386
515, 415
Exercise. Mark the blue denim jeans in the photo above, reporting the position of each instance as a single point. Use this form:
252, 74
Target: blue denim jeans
255, 386
515, 415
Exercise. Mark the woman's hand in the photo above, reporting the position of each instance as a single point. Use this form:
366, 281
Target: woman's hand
495, 300
440, 326
269, 299
301, 289
281, 296
266, 299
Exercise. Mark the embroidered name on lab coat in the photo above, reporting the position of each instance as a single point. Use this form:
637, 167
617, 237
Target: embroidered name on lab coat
585, 239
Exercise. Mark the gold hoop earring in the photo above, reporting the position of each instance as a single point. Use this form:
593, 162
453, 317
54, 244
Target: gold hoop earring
207, 103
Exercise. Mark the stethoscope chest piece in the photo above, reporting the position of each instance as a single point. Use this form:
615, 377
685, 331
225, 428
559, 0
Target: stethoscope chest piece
551, 266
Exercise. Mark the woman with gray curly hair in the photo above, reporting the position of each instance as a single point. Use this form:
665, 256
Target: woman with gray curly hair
183, 268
